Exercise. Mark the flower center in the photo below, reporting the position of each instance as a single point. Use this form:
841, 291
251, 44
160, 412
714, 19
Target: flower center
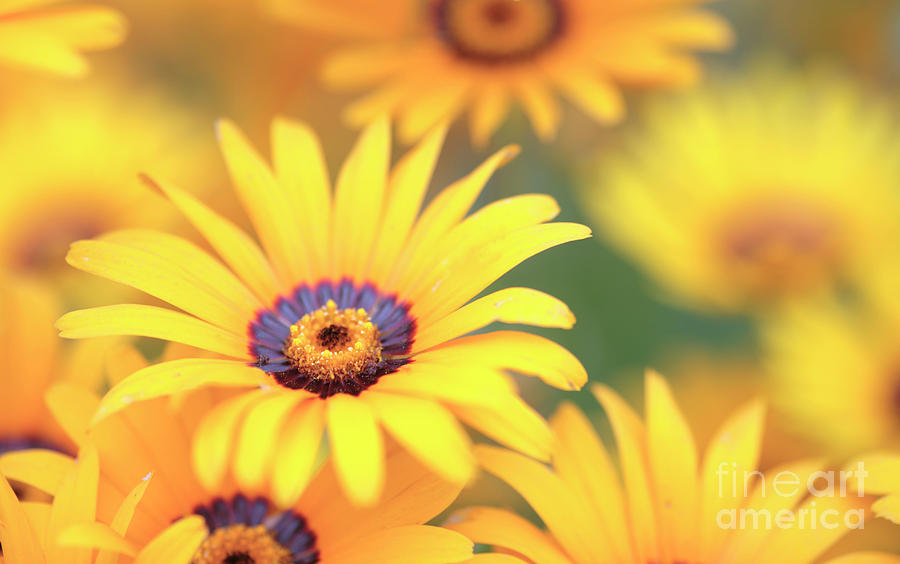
243, 532
494, 31
240, 544
781, 248
333, 344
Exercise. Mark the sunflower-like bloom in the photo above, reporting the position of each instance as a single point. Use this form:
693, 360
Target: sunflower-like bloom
425, 62
51, 35
132, 491
745, 193
351, 320
99, 137
673, 507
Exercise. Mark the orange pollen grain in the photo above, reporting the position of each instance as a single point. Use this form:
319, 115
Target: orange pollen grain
241, 543
330, 343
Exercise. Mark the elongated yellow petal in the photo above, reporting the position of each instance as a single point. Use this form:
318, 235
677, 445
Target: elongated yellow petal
298, 446
258, 437
888, 507
598, 98
733, 451
170, 378
514, 424
489, 108
445, 211
500, 528
437, 379
548, 495
406, 190
541, 108
154, 322
195, 263
236, 248
866, 558
43, 469
632, 445
583, 463
214, 438
177, 544
357, 447
672, 455
480, 267
300, 168
20, 543
510, 305
75, 502
96, 535
274, 218
72, 407
428, 430
359, 198
158, 277
428, 109
520, 352
414, 543
122, 519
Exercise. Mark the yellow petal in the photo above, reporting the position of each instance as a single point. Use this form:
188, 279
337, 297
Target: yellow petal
298, 447
43, 469
72, 407
406, 190
75, 502
159, 278
258, 437
888, 508
598, 98
428, 430
673, 469
276, 221
96, 535
500, 528
154, 322
170, 378
519, 352
421, 544
510, 305
214, 438
582, 461
300, 168
513, 423
430, 108
434, 378
122, 519
489, 108
541, 108
236, 248
177, 544
20, 543
866, 558
357, 447
358, 199
556, 504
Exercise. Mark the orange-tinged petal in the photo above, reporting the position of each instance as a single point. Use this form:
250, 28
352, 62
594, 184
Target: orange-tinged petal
177, 544
75, 502
866, 558
298, 447
489, 108
357, 447
214, 438
258, 437
97, 536
541, 107
43, 469
20, 543
421, 544
72, 407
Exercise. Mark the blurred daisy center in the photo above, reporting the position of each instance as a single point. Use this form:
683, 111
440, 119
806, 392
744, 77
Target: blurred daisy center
779, 247
243, 532
498, 30
334, 344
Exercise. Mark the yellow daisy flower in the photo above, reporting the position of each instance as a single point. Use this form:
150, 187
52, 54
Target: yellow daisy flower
353, 318
51, 35
426, 62
747, 193
132, 491
99, 136
671, 506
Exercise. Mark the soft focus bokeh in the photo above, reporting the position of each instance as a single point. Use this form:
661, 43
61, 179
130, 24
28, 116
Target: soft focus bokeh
825, 354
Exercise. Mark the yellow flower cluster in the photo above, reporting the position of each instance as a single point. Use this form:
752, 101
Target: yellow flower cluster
307, 369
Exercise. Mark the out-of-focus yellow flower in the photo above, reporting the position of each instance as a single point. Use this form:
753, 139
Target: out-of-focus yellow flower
884, 480
51, 34
429, 61
354, 318
132, 491
670, 505
757, 190
836, 373
69, 169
